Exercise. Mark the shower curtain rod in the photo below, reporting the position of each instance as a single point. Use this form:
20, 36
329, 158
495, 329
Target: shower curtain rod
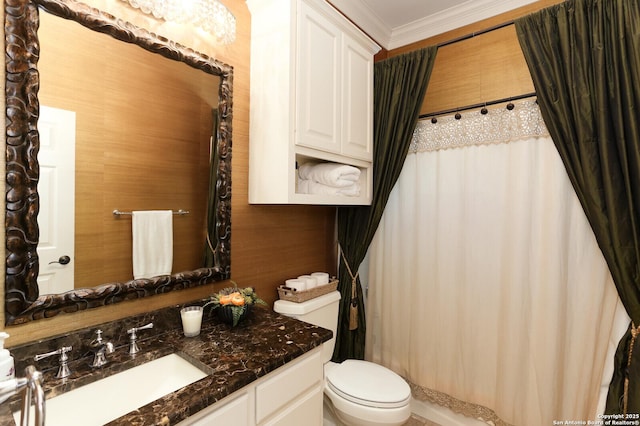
475, 33
474, 106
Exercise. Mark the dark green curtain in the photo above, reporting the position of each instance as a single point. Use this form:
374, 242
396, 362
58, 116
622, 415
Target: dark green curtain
400, 84
211, 241
584, 58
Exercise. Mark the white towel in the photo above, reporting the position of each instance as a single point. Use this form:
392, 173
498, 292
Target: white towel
152, 243
306, 186
331, 174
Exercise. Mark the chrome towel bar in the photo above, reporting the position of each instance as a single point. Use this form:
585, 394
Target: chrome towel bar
117, 212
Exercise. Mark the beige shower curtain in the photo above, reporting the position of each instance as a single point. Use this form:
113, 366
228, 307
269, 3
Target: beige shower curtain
486, 285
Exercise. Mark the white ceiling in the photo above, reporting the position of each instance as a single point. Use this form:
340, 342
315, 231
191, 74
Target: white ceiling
395, 23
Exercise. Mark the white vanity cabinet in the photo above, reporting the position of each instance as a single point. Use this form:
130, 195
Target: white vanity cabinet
291, 395
311, 99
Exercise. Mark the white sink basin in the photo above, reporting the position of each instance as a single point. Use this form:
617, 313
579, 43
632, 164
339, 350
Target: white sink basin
107, 399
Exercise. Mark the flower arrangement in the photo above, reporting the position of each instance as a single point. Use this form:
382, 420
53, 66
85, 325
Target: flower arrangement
233, 304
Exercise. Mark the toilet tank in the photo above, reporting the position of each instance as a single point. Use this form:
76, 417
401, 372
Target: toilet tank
321, 311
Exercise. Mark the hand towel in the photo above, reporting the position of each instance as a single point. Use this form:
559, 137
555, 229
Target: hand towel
330, 174
306, 186
152, 243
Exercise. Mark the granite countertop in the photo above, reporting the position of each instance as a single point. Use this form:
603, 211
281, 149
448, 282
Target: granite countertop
232, 356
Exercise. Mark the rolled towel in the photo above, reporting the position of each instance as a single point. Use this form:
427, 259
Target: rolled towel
330, 174
310, 187
310, 281
321, 277
296, 284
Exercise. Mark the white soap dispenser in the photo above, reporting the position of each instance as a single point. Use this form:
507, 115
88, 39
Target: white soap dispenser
6, 360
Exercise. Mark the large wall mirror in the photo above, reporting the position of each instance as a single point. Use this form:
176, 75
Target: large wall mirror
150, 122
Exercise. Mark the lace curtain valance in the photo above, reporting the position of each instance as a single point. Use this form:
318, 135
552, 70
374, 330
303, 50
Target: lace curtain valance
499, 125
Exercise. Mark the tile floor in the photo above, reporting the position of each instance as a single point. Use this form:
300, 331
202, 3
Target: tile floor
416, 420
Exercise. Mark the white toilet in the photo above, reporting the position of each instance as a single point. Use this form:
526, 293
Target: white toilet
360, 393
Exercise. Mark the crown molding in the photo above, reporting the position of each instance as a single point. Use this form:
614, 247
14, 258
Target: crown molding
361, 15
447, 20
450, 19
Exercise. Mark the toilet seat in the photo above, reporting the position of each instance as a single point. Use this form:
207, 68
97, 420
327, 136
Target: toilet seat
368, 384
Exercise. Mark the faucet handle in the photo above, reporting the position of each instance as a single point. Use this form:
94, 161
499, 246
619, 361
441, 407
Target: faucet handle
100, 348
99, 343
133, 345
99, 338
63, 369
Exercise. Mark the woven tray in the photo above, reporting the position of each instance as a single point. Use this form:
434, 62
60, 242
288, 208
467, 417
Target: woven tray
303, 296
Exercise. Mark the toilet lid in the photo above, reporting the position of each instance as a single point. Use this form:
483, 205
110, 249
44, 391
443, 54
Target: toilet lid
369, 384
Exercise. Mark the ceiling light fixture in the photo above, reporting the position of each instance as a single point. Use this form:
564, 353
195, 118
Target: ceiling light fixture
210, 15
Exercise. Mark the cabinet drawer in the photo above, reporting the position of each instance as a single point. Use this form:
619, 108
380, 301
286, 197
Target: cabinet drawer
290, 383
235, 412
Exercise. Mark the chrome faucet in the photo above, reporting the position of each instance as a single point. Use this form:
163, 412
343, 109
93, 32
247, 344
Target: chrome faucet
63, 368
32, 385
100, 348
133, 345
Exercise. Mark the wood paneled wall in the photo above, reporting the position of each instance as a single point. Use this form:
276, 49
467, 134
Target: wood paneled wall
484, 68
268, 243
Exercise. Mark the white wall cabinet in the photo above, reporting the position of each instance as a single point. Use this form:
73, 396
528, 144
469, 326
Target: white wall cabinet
292, 395
311, 99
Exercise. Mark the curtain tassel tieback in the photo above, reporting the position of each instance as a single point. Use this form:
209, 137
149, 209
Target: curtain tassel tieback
635, 332
353, 305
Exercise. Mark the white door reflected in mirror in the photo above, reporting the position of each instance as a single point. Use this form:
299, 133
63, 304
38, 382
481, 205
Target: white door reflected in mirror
56, 188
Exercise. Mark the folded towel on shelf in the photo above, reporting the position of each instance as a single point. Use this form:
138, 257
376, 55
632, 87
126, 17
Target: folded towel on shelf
152, 243
306, 186
330, 174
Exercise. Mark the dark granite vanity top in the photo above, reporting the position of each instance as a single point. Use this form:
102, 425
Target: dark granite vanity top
232, 356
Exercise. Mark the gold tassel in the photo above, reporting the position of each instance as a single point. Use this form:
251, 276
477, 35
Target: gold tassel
353, 316
353, 304
634, 335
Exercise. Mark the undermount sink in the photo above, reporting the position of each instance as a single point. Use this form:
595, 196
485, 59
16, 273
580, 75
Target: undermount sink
107, 399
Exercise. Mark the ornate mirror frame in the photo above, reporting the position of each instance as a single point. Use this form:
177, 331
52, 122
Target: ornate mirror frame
22, 300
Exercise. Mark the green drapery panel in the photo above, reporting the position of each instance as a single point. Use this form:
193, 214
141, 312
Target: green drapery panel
400, 84
584, 58
211, 243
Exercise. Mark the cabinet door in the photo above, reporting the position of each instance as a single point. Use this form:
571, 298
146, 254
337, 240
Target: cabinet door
279, 393
306, 410
357, 92
318, 81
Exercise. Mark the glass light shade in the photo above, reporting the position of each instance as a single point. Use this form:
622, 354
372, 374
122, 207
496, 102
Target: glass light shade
209, 15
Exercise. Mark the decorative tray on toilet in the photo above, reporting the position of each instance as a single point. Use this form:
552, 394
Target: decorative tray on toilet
292, 295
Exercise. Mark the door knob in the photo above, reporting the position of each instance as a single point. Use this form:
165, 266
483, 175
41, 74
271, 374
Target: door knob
63, 260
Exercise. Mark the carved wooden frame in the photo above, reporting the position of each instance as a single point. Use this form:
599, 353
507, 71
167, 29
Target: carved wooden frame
22, 300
